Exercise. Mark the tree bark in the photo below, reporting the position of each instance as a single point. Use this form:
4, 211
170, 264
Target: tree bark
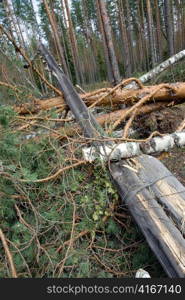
169, 25
127, 96
110, 74
158, 32
125, 42
162, 235
151, 34
160, 68
57, 39
109, 41
74, 46
131, 149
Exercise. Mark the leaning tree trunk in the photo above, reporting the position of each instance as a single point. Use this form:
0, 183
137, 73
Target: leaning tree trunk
160, 68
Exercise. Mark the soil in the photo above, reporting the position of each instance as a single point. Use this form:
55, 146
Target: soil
167, 121
175, 162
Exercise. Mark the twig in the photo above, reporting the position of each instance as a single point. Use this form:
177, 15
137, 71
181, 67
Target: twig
44, 119
70, 241
74, 239
124, 82
181, 126
140, 103
80, 89
107, 268
8, 254
129, 123
10, 86
30, 63
59, 172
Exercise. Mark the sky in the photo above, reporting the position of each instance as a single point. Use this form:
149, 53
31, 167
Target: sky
35, 3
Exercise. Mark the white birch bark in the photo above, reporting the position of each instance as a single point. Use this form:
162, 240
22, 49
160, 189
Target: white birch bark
130, 149
160, 68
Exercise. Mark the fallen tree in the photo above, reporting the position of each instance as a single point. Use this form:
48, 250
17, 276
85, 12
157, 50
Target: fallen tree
131, 149
160, 68
62, 132
160, 231
162, 235
176, 93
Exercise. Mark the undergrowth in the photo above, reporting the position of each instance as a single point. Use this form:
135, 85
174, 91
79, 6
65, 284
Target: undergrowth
70, 226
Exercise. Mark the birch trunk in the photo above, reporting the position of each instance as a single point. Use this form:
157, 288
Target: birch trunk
131, 149
159, 69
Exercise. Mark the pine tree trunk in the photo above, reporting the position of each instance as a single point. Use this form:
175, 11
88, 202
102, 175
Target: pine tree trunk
151, 34
129, 25
107, 59
169, 25
57, 39
158, 32
88, 33
109, 41
74, 47
125, 43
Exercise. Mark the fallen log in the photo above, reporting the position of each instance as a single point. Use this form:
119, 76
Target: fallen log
169, 191
124, 96
164, 238
162, 235
131, 149
62, 132
160, 68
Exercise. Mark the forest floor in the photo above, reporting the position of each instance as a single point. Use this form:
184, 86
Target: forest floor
72, 225
175, 162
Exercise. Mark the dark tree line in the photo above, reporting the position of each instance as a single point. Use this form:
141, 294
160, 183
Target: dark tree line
97, 40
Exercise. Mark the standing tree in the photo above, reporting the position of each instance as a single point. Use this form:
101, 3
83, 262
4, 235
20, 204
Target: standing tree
111, 60
74, 46
151, 36
124, 39
169, 25
58, 44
